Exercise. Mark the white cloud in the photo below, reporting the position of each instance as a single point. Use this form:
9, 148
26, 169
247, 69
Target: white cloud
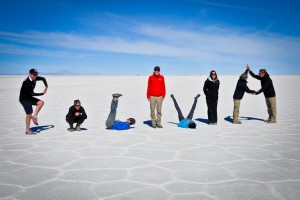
206, 45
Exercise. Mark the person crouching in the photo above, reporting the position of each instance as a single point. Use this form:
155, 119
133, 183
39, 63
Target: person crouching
77, 115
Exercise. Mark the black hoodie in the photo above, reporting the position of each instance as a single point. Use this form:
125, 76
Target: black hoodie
266, 85
211, 87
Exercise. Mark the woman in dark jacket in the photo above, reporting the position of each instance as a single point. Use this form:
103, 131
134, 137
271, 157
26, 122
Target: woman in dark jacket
241, 88
211, 90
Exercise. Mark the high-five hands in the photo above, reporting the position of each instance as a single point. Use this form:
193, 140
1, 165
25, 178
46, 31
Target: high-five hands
248, 67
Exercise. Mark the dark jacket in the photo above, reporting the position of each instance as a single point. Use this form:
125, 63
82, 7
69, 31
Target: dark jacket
73, 110
266, 85
211, 89
241, 88
28, 86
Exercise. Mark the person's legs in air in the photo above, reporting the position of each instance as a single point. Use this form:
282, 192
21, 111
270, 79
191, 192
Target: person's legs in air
191, 114
180, 115
113, 111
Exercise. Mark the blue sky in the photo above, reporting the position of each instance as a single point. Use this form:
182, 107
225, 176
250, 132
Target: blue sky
131, 37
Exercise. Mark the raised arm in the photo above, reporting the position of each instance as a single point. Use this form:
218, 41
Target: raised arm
39, 78
248, 68
254, 75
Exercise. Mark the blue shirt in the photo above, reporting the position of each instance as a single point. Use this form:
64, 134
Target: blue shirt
185, 123
120, 126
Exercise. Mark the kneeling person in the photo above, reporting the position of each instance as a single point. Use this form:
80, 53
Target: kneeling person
111, 122
188, 121
77, 115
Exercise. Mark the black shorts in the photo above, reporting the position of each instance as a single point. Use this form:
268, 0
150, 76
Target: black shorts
27, 104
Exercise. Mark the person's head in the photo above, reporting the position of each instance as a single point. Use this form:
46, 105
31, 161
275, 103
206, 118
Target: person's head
191, 125
130, 121
156, 70
262, 73
77, 104
33, 73
244, 76
213, 75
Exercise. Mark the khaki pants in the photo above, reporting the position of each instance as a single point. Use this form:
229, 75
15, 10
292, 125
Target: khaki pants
156, 103
236, 109
271, 104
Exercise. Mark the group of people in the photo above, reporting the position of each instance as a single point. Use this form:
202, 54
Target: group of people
156, 92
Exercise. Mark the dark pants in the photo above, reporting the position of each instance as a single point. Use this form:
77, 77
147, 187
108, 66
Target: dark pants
112, 115
79, 120
212, 110
180, 115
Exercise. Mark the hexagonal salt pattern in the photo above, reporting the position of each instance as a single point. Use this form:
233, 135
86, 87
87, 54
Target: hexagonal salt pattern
251, 161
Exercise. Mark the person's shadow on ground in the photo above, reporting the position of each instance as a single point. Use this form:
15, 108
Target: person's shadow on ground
41, 128
230, 119
205, 121
148, 122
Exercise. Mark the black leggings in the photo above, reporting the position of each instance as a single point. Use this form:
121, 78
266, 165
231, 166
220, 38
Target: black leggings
180, 115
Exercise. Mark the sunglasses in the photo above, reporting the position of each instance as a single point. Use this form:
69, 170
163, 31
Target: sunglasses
34, 74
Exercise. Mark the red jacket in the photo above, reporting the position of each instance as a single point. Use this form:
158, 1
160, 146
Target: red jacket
156, 86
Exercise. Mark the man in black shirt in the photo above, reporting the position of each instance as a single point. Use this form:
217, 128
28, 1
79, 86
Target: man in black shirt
77, 115
268, 89
27, 100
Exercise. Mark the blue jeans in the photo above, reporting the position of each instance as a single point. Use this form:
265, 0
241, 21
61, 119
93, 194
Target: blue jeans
112, 115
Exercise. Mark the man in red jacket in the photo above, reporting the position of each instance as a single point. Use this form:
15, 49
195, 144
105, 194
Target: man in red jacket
156, 93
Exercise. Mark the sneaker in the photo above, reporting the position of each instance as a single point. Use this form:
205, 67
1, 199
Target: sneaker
196, 97
271, 121
34, 119
30, 132
71, 129
117, 95
159, 126
78, 127
154, 126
